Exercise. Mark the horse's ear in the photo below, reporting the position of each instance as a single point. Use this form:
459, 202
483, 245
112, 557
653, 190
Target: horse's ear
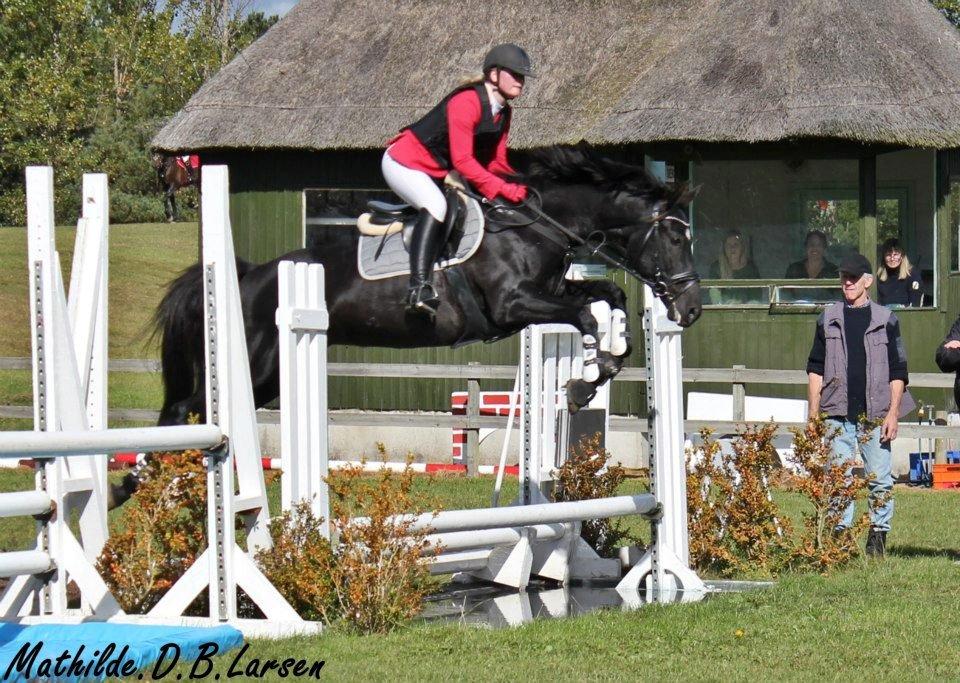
683, 193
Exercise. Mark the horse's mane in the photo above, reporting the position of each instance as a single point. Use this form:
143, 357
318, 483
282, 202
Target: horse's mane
581, 164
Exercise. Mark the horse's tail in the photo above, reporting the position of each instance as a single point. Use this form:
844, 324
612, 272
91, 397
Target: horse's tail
179, 319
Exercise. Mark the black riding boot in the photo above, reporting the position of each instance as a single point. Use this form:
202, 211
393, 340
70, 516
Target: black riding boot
422, 298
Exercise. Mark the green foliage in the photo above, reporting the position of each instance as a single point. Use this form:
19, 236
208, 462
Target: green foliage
950, 9
85, 84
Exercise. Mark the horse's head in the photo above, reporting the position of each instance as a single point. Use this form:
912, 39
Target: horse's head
644, 222
659, 250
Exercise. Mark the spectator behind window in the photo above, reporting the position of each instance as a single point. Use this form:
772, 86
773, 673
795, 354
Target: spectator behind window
734, 259
815, 265
898, 281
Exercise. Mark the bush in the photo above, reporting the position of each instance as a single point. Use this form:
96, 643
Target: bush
164, 530
585, 475
830, 488
736, 527
299, 564
372, 578
378, 576
734, 524
132, 208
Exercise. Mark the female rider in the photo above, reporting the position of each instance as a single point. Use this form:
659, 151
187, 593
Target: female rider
467, 132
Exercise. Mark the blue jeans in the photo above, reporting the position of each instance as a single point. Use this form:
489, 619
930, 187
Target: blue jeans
877, 464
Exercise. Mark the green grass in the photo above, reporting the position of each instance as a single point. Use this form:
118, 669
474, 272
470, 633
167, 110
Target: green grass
886, 620
143, 258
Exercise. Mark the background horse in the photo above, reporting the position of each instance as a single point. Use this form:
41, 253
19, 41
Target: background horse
516, 278
172, 176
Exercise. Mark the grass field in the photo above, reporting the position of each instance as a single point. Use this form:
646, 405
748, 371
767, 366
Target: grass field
874, 621
143, 259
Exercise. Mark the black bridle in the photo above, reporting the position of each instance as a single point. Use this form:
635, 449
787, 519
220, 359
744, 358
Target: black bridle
668, 289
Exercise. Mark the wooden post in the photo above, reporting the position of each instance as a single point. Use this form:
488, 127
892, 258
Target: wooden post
739, 395
471, 453
940, 445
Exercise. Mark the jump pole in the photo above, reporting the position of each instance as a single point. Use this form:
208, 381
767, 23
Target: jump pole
666, 563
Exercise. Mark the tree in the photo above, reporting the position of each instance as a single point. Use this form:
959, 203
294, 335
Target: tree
950, 9
85, 85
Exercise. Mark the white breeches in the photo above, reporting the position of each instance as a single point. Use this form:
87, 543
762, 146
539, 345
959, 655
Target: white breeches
414, 187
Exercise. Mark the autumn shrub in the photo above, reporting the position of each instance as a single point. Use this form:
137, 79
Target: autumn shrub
734, 523
829, 487
588, 474
163, 531
378, 575
300, 563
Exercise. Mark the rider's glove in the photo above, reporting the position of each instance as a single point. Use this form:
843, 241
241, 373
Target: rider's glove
514, 192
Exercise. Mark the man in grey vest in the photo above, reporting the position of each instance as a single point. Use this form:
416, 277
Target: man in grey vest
857, 377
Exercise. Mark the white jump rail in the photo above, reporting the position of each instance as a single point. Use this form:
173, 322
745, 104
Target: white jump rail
302, 323
224, 567
666, 563
69, 342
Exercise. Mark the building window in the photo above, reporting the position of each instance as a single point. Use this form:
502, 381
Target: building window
772, 232
325, 208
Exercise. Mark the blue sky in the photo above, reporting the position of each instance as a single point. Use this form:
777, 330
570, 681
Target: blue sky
269, 7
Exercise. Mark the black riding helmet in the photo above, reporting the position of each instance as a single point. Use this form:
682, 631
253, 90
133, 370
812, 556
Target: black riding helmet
510, 57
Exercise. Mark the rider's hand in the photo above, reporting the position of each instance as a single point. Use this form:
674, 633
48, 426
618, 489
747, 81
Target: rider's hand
514, 192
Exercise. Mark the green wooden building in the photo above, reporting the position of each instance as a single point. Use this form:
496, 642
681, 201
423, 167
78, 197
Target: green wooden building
787, 115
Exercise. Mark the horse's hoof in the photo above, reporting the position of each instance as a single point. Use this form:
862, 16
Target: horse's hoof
609, 364
579, 394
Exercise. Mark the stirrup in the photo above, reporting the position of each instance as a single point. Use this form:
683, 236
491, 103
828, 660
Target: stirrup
423, 299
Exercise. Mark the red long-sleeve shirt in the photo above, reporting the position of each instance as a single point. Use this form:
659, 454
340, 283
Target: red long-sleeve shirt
463, 116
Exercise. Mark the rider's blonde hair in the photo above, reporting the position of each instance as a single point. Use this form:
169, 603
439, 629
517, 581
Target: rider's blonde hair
472, 80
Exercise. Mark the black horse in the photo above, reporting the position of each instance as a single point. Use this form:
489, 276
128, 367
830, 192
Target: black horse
516, 278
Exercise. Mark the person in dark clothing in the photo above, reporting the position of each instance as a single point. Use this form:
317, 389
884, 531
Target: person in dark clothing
898, 282
858, 368
815, 265
948, 357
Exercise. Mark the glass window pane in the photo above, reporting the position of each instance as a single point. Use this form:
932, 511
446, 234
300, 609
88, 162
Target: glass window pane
326, 208
770, 207
906, 211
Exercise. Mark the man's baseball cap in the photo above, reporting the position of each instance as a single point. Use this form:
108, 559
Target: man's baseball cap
855, 264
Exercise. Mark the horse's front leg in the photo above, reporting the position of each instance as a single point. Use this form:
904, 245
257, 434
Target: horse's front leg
616, 298
173, 206
530, 306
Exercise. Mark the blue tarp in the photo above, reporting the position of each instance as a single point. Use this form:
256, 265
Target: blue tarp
81, 647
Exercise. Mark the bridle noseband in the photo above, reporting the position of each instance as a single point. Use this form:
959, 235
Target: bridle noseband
668, 289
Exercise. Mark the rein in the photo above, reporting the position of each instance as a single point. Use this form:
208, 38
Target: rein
596, 242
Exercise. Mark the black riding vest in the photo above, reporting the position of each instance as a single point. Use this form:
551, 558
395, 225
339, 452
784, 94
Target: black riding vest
432, 130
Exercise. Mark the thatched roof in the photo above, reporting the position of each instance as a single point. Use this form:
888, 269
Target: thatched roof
350, 73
